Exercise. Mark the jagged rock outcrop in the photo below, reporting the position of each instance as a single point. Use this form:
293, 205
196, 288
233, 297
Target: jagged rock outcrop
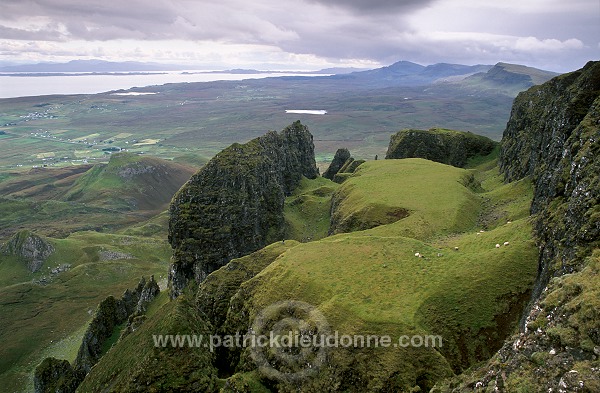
446, 146
553, 135
234, 204
110, 313
340, 158
54, 375
33, 249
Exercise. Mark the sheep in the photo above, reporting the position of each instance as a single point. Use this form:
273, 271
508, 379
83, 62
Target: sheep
497, 245
418, 255
506, 243
455, 248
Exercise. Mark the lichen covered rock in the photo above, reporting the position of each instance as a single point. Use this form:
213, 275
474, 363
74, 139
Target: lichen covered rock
234, 204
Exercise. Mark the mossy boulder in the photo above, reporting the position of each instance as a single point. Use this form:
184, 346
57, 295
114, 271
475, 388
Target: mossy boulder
55, 376
440, 145
234, 204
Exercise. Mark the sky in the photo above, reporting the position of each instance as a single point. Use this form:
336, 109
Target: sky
555, 35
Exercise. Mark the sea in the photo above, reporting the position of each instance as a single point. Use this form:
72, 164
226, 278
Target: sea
37, 84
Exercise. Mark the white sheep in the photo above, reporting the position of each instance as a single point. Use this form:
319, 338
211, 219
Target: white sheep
497, 245
506, 243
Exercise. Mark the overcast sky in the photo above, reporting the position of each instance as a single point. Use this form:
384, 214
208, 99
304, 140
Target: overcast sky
557, 35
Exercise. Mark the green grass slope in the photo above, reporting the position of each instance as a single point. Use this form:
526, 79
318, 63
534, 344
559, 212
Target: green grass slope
370, 281
45, 313
421, 197
307, 211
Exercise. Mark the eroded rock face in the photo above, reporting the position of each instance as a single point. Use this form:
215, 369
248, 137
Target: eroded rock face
234, 204
553, 135
439, 145
33, 249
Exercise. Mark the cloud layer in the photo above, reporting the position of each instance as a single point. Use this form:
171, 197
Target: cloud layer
544, 33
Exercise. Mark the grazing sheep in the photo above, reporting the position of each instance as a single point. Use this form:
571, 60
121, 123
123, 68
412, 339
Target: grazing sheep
418, 255
497, 245
506, 243
455, 248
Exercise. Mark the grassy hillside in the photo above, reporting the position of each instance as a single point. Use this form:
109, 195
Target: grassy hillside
307, 211
375, 278
370, 281
508, 78
130, 182
45, 313
129, 189
427, 198
157, 369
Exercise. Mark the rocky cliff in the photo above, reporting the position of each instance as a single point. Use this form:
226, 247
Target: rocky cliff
553, 135
234, 204
31, 248
446, 146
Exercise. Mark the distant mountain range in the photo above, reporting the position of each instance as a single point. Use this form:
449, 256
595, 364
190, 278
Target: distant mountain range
402, 73
134, 66
405, 73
